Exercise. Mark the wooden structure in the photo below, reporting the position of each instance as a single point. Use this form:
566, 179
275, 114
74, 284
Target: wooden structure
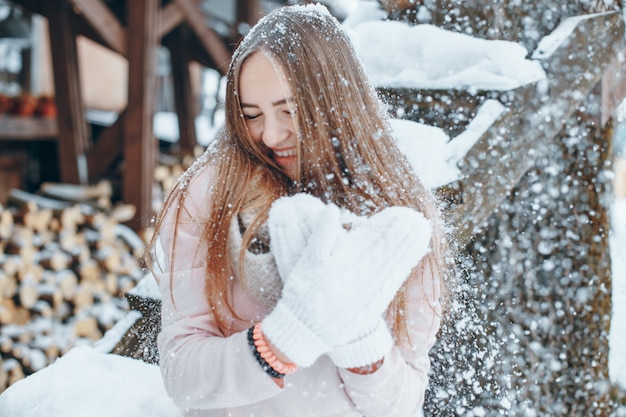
134, 29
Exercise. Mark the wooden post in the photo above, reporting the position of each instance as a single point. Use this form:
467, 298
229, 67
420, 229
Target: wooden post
140, 145
185, 101
74, 135
105, 22
107, 148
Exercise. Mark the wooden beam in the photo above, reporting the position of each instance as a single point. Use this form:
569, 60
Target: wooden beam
140, 146
107, 148
169, 17
510, 146
74, 135
83, 28
104, 22
185, 102
20, 128
212, 43
195, 49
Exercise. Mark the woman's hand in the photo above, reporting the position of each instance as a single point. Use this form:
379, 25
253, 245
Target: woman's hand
341, 281
368, 369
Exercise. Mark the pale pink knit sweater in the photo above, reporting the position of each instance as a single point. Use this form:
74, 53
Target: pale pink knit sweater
210, 372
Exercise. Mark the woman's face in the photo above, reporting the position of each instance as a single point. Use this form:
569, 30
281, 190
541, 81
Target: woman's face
267, 107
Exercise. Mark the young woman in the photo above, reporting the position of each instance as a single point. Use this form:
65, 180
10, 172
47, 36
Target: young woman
331, 307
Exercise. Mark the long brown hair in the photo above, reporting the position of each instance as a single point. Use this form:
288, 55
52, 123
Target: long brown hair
346, 150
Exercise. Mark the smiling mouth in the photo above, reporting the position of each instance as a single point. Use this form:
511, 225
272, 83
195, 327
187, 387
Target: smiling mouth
286, 153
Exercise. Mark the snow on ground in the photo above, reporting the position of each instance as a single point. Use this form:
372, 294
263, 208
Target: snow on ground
88, 381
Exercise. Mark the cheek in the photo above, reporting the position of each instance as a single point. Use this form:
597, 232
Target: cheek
256, 136
291, 124
255, 131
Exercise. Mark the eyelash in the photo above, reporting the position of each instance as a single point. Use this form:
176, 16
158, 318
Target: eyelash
252, 117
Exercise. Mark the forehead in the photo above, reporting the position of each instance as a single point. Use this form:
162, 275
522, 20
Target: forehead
261, 77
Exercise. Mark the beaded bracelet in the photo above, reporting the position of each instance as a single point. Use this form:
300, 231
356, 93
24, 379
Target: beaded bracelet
271, 367
267, 355
266, 367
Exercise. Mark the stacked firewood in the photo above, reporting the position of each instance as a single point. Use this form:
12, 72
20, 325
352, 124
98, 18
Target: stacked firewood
169, 169
65, 267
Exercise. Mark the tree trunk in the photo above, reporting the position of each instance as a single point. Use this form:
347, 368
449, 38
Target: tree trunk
540, 278
528, 332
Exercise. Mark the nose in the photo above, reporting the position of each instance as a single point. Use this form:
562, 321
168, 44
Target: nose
275, 133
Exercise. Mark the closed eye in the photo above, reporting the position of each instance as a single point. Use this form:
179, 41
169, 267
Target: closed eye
288, 109
250, 116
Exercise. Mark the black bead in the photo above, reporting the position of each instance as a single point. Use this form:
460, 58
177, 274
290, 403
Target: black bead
264, 365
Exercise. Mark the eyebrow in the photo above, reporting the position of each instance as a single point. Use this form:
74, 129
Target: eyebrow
274, 103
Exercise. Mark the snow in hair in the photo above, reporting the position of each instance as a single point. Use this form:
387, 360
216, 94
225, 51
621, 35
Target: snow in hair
312, 9
262, 29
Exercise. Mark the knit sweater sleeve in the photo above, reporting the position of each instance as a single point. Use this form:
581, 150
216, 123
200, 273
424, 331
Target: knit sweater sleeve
398, 387
202, 368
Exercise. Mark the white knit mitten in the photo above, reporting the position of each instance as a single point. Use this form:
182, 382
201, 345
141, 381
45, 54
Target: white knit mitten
290, 225
342, 282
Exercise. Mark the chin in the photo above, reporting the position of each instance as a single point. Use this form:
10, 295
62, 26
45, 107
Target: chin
291, 172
